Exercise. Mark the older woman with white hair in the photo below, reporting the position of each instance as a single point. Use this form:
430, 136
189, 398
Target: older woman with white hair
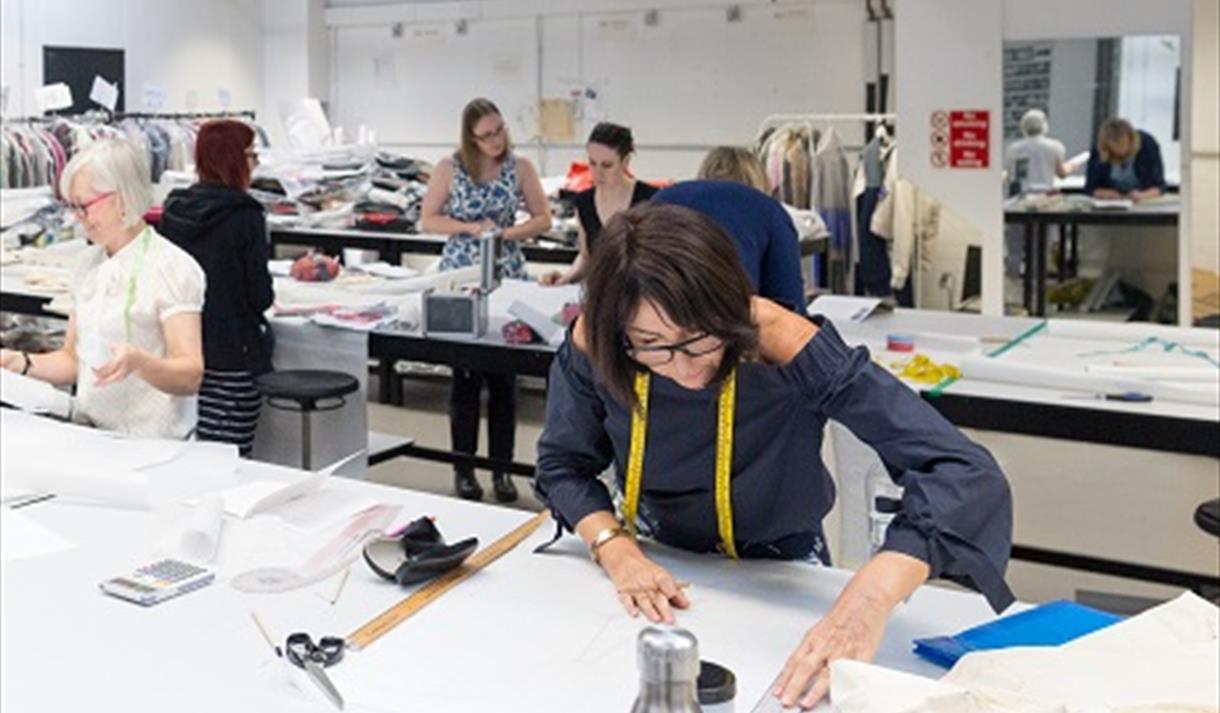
1036, 159
134, 342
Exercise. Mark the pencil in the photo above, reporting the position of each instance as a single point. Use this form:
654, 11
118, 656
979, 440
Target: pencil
263, 630
339, 589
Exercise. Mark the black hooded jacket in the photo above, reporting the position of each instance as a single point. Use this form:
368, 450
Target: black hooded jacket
225, 230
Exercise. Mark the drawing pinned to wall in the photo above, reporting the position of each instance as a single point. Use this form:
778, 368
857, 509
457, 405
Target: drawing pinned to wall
556, 120
506, 67
430, 34
617, 29
154, 97
385, 71
224, 97
192, 99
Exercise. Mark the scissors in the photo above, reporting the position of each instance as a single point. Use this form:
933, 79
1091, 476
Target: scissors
303, 653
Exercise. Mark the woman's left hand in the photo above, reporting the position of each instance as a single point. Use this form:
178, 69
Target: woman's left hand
852, 630
127, 360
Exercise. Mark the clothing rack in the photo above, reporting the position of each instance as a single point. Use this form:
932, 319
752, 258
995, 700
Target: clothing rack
99, 115
246, 114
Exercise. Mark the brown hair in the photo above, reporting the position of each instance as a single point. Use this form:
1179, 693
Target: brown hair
1112, 131
683, 263
468, 154
612, 136
732, 163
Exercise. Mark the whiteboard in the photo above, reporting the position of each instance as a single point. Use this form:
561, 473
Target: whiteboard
692, 78
413, 88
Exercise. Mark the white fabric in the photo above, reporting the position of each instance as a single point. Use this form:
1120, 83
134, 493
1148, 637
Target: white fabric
169, 282
1043, 156
1166, 659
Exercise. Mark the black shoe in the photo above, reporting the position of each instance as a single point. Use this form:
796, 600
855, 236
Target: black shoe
502, 484
467, 486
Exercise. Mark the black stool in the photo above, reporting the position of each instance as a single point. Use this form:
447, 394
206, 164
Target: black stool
1207, 517
306, 391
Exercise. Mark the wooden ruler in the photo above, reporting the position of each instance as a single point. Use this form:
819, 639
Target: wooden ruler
430, 592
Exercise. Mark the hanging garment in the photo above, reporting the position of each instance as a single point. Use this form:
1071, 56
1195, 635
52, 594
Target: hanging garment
909, 218
830, 194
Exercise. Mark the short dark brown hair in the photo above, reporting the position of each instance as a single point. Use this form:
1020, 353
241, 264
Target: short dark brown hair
683, 263
468, 154
220, 153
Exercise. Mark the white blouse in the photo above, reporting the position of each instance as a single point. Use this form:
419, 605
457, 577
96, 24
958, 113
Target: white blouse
127, 297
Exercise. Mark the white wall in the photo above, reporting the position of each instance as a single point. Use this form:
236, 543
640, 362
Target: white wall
189, 48
296, 57
1203, 162
691, 81
948, 56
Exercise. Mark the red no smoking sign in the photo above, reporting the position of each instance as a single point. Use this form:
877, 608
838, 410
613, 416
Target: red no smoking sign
960, 139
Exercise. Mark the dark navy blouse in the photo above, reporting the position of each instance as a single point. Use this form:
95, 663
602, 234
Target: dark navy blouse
956, 509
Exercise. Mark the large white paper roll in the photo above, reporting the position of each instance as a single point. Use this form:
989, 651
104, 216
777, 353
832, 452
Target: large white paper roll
1004, 372
1132, 332
1166, 373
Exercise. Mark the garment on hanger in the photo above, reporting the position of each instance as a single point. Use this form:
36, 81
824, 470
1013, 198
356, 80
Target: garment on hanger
830, 194
909, 218
873, 259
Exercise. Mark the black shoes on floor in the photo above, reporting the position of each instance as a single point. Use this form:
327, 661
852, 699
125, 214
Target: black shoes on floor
467, 487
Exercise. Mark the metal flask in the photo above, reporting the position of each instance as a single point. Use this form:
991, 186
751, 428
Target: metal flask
669, 671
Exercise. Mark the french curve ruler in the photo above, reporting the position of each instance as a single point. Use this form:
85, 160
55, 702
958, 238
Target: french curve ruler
430, 592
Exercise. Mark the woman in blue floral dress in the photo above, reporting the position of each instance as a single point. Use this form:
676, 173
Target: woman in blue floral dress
481, 187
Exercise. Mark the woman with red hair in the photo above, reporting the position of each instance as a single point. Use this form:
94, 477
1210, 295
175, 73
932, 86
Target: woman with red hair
225, 230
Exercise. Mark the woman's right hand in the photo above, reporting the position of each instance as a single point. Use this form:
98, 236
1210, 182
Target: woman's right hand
11, 360
550, 279
481, 226
642, 585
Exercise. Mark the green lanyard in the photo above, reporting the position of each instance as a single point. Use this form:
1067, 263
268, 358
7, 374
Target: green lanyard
145, 240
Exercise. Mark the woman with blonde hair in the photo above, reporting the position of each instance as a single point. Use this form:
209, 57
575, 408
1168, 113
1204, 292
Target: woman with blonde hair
733, 163
1125, 163
478, 189
134, 343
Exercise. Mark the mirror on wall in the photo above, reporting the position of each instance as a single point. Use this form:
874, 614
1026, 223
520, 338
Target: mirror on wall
1092, 158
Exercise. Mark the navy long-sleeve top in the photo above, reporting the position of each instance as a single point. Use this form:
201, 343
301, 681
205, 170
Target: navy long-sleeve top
1147, 165
956, 508
766, 239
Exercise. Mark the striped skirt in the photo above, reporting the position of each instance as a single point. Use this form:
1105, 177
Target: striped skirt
228, 409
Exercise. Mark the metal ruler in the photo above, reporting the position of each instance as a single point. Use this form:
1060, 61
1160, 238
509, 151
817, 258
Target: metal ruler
430, 592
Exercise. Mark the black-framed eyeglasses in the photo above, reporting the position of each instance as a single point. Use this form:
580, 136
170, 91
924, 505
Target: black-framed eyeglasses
662, 354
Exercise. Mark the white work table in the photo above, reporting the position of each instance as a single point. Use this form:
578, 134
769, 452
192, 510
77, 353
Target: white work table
529, 633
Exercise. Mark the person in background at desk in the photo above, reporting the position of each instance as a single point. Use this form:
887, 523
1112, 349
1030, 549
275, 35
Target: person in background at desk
763, 231
1125, 163
225, 230
476, 190
711, 405
134, 342
610, 147
1041, 157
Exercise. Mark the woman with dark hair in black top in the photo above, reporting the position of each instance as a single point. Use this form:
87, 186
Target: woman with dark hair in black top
610, 147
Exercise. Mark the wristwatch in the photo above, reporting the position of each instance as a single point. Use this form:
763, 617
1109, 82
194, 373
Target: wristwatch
602, 538
28, 363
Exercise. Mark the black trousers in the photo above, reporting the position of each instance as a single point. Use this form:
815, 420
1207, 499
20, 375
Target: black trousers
464, 413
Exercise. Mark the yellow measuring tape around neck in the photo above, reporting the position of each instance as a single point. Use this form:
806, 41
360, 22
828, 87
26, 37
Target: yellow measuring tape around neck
145, 239
724, 458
